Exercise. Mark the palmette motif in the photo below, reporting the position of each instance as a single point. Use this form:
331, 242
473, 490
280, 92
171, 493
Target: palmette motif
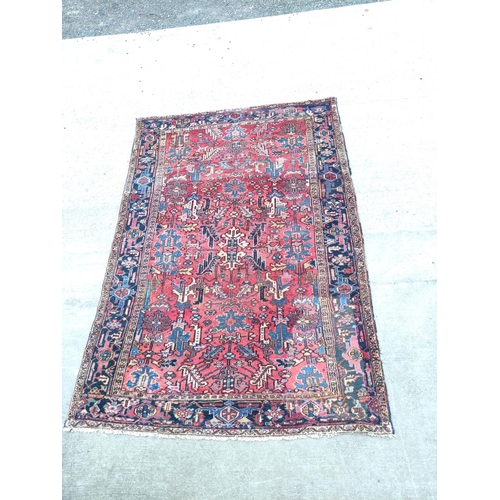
236, 299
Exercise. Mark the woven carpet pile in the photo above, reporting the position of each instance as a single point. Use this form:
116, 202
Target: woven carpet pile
236, 300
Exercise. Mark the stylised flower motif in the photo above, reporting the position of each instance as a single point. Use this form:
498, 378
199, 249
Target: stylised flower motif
168, 244
290, 128
128, 262
138, 206
156, 321
294, 188
104, 355
230, 321
324, 135
183, 414
290, 111
113, 408
146, 161
113, 324
175, 189
344, 289
144, 179
297, 243
234, 187
274, 414
341, 260
277, 257
326, 150
342, 411
345, 319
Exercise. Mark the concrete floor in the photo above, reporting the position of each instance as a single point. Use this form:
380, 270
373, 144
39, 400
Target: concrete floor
377, 60
82, 18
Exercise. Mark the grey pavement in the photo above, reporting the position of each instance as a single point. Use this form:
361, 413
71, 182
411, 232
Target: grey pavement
81, 18
378, 60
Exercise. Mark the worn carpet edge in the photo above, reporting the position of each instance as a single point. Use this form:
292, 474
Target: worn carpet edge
207, 437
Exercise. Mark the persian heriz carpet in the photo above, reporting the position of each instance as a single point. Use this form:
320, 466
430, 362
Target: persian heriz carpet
236, 300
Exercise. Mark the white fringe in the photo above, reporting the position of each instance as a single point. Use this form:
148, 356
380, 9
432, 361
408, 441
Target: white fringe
285, 437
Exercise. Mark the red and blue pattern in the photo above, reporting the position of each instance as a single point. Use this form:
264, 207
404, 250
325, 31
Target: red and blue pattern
236, 301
